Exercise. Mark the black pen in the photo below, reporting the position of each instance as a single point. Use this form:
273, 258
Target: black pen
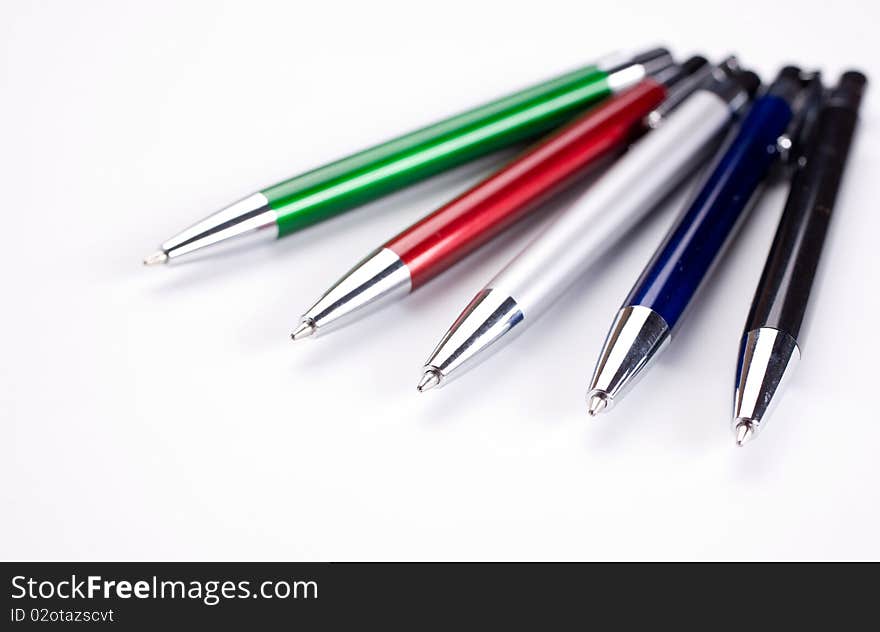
772, 338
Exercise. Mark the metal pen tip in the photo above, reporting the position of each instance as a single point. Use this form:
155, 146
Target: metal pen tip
744, 433
429, 380
598, 402
160, 256
306, 328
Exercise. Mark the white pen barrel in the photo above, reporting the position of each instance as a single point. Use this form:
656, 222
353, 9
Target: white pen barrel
623, 196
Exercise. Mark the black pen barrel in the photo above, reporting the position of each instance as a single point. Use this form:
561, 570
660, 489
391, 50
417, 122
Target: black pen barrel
784, 289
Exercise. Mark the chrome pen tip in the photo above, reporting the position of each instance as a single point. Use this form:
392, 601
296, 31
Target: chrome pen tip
160, 256
306, 328
430, 379
745, 432
597, 403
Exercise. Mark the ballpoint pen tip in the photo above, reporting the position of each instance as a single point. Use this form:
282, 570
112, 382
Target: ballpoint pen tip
160, 256
598, 402
744, 433
430, 379
306, 328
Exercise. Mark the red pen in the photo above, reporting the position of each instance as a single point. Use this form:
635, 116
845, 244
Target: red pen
457, 228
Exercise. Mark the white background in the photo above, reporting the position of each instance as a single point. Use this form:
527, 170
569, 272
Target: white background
164, 414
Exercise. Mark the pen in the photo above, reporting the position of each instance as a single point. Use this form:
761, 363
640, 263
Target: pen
683, 262
339, 186
437, 241
772, 338
591, 226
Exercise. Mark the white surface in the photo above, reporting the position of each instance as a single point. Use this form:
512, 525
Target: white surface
164, 413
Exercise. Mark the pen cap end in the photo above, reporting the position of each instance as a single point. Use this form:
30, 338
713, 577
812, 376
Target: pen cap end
693, 71
788, 84
693, 64
730, 65
653, 60
854, 78
651, 54
748, 81
849, 90
790, 72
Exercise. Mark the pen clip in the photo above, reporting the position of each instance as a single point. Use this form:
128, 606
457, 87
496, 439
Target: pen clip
793, 143
701, 77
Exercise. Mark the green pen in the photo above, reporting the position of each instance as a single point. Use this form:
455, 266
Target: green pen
337, 187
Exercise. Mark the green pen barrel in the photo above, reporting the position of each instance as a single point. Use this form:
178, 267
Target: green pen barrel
339, 186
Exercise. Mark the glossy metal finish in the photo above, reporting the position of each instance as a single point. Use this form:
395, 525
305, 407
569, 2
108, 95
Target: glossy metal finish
445, 236
694, 245
541, 273
682, 264
773, 332
784, 289
337, 187
484, 324
380, 278
636, 338
654, 166
626, 78
344, 184
242, 223
682, 88
651, 58
703, 75
766, 360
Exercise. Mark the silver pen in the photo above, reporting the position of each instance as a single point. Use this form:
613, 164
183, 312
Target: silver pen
613, 205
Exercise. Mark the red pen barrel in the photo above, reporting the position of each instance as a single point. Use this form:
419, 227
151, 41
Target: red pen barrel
442, 238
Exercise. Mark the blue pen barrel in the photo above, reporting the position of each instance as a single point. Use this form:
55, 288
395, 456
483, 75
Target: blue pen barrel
699, 236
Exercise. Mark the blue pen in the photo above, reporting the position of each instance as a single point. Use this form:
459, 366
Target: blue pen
667, 287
